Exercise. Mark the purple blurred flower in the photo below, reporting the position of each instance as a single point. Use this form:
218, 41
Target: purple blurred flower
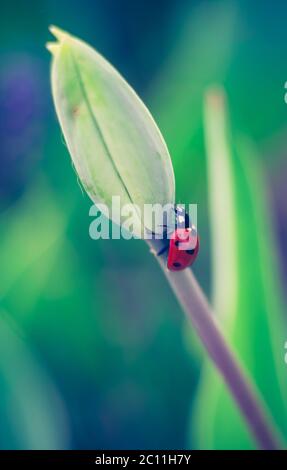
22, 111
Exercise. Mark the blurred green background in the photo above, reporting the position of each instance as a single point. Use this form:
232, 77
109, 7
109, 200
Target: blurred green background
94, 350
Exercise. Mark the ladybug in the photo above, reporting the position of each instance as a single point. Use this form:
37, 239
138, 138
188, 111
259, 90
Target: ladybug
184, 243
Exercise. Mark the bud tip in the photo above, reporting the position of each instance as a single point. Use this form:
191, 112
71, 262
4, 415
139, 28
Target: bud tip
52, 47
58, 33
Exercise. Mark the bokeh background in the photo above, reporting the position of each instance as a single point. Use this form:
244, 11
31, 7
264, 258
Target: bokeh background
94, 350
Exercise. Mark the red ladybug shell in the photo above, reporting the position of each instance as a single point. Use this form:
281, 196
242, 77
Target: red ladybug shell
183, 249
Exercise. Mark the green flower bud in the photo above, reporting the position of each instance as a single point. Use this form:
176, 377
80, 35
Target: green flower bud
116, 147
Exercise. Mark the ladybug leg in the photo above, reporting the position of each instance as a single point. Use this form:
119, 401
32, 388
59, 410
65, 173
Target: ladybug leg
163, 250
161, 246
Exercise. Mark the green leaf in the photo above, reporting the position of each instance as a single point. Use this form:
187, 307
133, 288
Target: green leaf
246, 286
32, 412
34, 229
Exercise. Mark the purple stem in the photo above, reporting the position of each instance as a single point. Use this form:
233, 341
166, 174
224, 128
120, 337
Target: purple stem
244, 392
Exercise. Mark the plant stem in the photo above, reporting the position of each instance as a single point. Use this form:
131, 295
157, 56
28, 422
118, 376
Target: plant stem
198, 310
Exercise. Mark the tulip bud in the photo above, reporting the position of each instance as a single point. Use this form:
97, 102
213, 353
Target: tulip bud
115, 145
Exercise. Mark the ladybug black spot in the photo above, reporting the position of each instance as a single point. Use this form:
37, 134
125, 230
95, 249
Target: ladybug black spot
190, 252
176, 265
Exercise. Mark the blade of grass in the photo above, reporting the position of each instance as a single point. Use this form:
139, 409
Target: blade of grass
247, 301
33, 412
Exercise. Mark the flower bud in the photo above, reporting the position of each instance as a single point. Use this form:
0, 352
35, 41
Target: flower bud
116, 147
